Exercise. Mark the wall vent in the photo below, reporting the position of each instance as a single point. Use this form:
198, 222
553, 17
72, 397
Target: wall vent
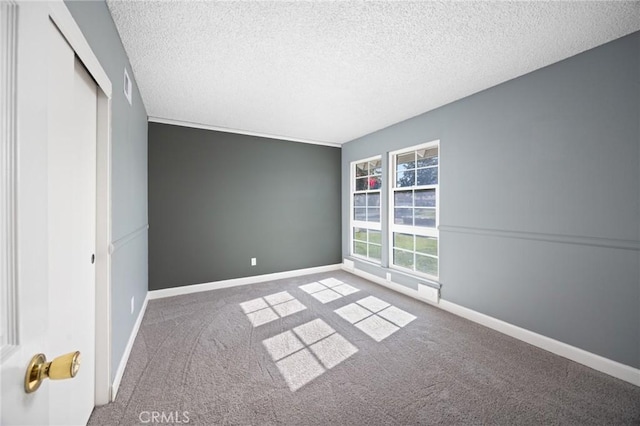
349, 264
428, 293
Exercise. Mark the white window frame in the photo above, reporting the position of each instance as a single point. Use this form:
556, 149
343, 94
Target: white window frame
375, 226
413, 230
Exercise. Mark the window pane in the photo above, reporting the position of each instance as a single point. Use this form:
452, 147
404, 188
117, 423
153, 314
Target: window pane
403, 216
425, 198
406, 161
361, 169
360, 248
373, 214
426, 218
403, 241
375, 237
375, 167
428, 176
426, 264
403, 198
406, 178
373, 200
360, 213
403, 258
375, 252
359, 200
427, 157
375, 182
361, 184
360, 234
427, 245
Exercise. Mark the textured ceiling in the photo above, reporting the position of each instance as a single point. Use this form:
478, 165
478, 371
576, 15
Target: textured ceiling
334, 71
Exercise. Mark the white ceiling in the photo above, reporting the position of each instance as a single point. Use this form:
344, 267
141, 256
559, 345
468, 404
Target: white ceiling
330, 72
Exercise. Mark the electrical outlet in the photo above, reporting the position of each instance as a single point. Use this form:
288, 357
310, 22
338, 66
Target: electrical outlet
133, 303
388, 277
253, 261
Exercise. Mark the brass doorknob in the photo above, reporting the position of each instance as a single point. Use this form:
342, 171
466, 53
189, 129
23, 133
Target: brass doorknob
63, 367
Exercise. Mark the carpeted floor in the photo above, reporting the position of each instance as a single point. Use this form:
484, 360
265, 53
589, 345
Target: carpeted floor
334, 349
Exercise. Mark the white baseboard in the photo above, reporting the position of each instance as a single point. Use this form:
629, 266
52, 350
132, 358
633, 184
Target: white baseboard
196, 288
597, 362
127, 350
389, 284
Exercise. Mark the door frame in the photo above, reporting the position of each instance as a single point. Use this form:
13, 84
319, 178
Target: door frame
62, 18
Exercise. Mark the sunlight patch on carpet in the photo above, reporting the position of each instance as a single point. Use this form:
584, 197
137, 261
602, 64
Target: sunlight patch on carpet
377, 328
307, 351
299, 369
374, 317
269, 308
328, 290
313, 331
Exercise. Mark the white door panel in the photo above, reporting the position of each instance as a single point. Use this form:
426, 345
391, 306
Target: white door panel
16, 407
71, 186
57, 114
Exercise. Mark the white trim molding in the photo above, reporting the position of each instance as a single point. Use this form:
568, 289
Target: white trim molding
597, 362
552, 238
364, 224
8, 179
413, 229
72, 33
69, 29
123, 241
127, 350
238, 131
381, 281
103, 258
197, 288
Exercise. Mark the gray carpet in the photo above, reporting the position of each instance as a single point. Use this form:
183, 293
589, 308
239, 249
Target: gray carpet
274, 353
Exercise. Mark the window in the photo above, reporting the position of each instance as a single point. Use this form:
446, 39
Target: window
366, 236
414, 209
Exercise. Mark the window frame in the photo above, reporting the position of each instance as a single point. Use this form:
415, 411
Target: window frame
412, 230
353, 223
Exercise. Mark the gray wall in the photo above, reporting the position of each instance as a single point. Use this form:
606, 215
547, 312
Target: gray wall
540, 200
218, 199
128, 170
